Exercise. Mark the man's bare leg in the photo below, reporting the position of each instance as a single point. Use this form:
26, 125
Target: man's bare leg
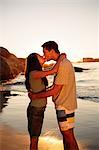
69, 140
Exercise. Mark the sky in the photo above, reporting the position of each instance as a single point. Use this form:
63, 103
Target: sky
74, 24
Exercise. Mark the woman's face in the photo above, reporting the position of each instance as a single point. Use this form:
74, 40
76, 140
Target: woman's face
41, 59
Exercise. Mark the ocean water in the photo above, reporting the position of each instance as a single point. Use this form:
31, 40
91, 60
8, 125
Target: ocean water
87, 82
13, 108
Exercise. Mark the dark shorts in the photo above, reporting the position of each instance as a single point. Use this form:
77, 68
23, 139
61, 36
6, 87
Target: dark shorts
35, 117
65, 121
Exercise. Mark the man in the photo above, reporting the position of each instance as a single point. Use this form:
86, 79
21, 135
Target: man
63, 95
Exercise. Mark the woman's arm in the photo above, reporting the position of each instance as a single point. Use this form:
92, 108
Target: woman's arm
40, 74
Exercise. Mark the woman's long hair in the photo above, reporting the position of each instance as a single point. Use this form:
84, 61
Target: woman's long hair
31, 65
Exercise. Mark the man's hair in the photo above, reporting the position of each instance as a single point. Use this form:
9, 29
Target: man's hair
51, 45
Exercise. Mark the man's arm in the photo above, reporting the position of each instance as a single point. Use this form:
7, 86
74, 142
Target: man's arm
54, 91
49, 87
41, 74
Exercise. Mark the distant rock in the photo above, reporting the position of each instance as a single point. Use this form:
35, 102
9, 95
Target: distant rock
10, 65
89, 59
78, 69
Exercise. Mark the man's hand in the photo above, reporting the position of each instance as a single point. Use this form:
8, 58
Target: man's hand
31, 95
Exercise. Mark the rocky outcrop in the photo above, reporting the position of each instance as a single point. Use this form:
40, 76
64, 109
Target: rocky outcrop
78, 69
10, 65
5, 71
90, 59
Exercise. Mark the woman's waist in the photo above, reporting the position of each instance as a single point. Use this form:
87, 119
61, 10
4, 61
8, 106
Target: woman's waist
39, 102
37, 90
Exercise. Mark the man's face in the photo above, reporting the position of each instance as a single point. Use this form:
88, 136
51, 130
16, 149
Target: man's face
47, 54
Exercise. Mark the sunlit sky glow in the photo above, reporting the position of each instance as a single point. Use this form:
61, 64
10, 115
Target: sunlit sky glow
74, 24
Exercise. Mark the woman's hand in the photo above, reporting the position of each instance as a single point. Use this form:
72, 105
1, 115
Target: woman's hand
61, 57
31, 95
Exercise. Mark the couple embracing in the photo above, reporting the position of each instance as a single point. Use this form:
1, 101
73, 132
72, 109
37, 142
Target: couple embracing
63, 92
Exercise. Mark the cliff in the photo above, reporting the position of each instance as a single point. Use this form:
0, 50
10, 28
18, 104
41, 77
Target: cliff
10, 65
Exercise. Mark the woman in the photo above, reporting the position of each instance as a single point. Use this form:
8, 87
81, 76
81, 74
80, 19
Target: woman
36, 82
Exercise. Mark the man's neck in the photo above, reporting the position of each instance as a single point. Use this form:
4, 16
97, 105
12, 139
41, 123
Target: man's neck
56, 56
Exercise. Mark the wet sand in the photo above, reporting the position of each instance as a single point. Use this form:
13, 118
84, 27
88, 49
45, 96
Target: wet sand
13, 136
11, 140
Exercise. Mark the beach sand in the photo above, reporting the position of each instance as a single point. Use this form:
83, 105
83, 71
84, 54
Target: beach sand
86, 130
11, 140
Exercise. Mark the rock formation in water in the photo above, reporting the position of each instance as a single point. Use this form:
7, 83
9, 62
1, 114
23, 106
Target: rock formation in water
10, 65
